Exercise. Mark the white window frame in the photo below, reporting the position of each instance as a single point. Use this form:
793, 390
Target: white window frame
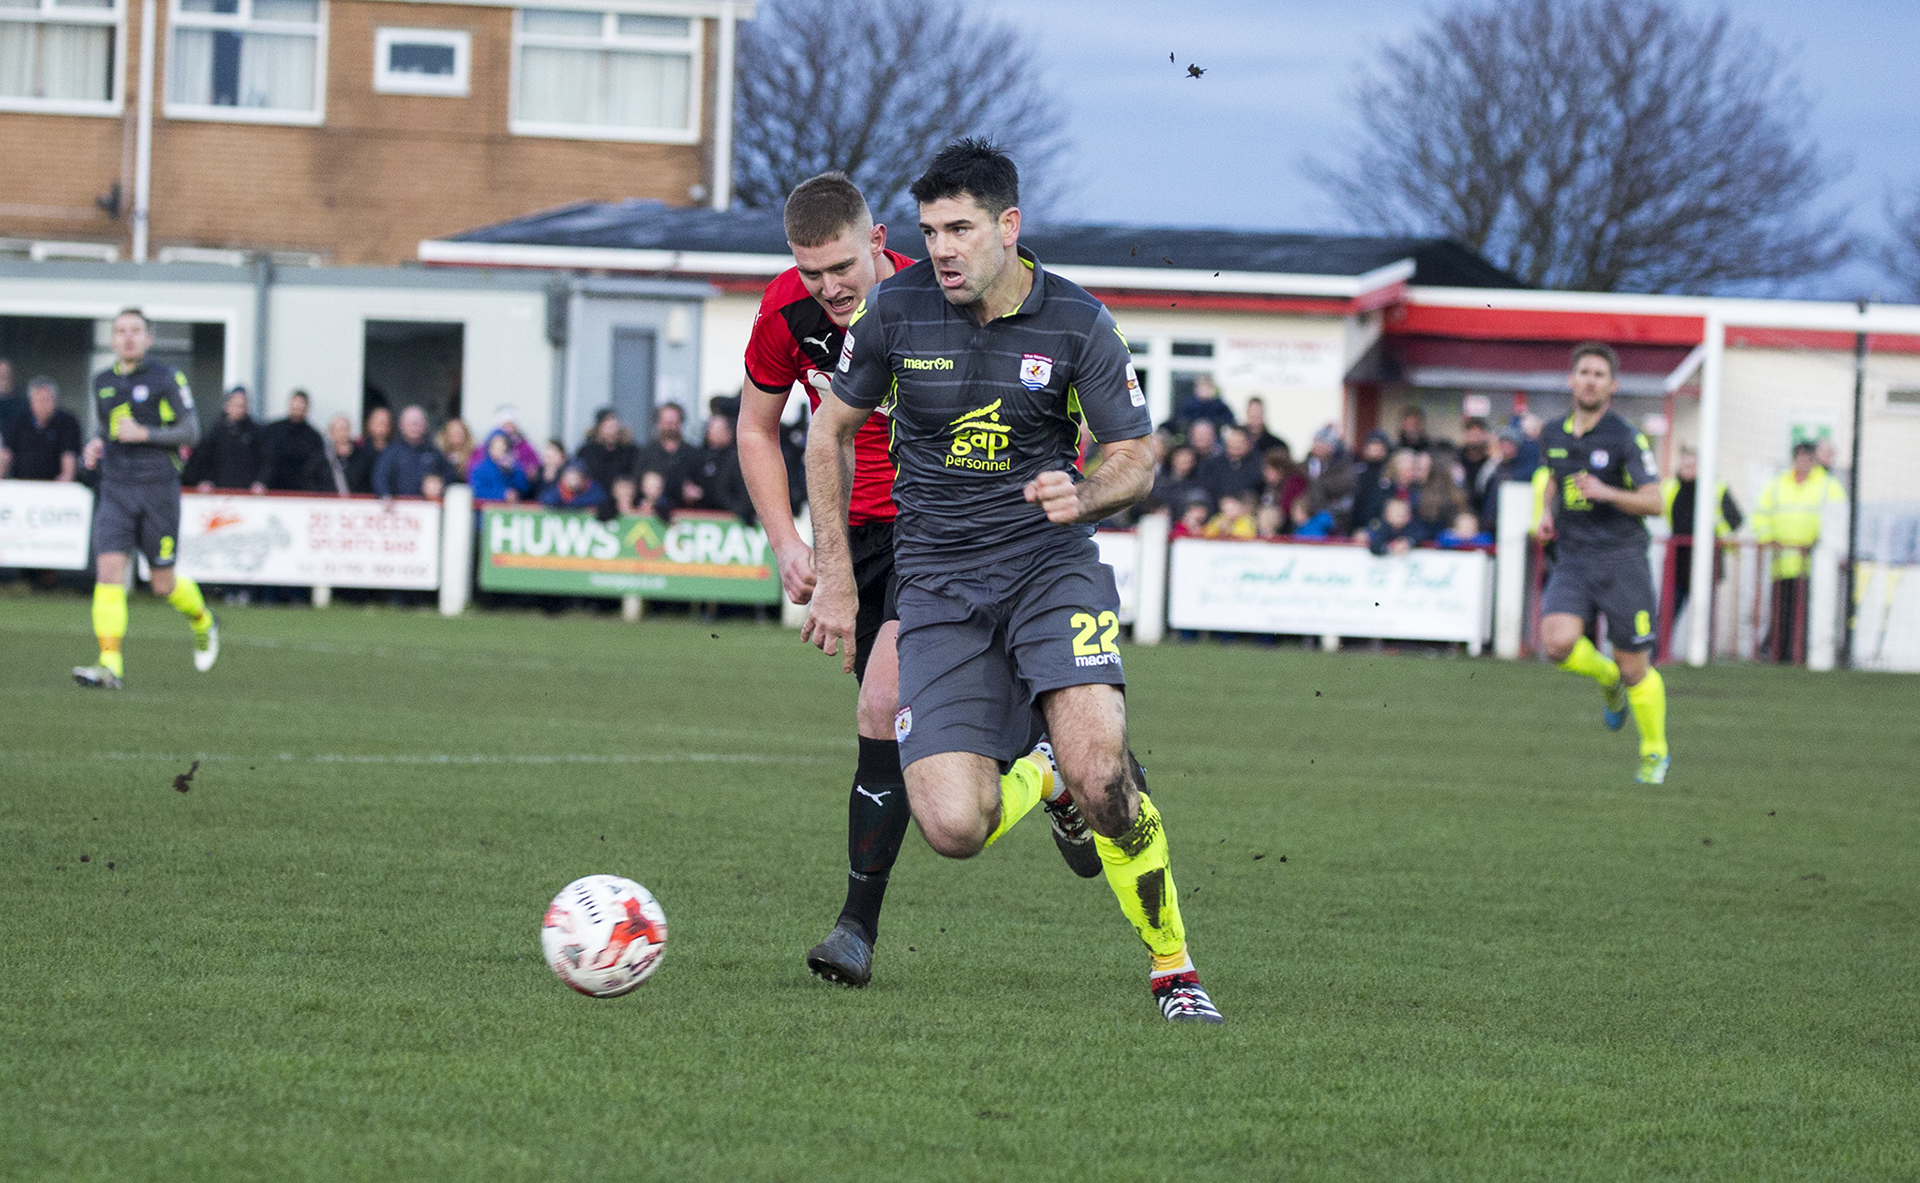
386, 81
50, 13
694, 45
243, 22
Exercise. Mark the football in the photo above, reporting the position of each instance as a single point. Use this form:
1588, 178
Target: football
604, 935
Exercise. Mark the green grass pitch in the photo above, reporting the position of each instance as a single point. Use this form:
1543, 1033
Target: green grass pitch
1451, 938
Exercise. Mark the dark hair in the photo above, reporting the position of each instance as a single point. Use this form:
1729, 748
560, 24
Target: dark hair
134, 312
820, 208
1599, 349
1473, 422
973, 166
300, 394
1807, 446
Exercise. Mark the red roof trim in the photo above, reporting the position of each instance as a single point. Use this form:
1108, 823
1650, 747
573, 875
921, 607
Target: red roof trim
1527, 324
1816, 339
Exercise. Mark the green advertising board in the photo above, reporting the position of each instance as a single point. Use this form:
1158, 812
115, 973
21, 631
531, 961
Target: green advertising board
698, 556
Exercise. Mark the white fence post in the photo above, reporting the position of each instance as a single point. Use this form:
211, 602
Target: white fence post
456, 549
1824, 620
1510, 568
1150, 608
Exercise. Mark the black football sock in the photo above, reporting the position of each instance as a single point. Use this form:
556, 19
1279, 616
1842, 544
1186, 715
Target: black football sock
877, 816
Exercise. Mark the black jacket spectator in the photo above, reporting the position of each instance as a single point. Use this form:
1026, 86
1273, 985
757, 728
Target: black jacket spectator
1237, 472
229, 457
716, 473
36, 448
606, 463
360, 466
295, 457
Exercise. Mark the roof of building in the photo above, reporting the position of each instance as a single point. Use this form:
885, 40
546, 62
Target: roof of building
636, 225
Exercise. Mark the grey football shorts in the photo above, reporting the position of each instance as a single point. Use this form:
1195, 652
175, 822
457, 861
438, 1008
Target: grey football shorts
1618, 584
144, 517
977, 649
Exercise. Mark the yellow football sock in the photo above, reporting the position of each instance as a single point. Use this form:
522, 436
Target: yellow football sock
1585, 659
1649, 702
110, 624
1136, 867
1021, 788
188, 602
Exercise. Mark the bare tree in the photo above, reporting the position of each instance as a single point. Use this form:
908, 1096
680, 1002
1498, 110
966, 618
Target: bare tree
1901, 254
875, 88
1597, 145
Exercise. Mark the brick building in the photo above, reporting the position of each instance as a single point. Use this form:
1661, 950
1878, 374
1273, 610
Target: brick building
346, 131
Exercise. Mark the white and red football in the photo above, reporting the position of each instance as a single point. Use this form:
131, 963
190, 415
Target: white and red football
604, 935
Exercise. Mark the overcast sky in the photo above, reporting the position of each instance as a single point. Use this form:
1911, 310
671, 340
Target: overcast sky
1152, 146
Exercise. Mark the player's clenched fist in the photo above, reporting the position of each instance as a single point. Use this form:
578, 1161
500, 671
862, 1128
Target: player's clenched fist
830, 620
1055, 493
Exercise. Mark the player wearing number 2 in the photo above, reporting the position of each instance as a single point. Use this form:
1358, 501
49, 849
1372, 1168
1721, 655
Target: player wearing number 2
1597, 480
988, 366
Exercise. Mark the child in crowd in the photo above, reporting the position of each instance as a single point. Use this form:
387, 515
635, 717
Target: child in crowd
1465, 533
1395, 533
574, 490
1193, 520
1235, 519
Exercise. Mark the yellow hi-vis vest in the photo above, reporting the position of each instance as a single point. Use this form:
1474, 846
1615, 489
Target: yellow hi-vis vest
1670, 488
1789, 514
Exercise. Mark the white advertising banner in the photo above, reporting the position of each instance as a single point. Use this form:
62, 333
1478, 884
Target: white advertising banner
1329, 590
1120, 549
45, 525
299, 541
1275, 363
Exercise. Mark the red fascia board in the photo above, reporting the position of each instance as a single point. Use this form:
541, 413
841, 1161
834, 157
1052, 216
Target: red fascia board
1217, 302
1528, 324
1831, 342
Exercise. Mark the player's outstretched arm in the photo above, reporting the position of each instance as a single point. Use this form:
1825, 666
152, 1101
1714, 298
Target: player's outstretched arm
830, 619
764, 467
1124, 476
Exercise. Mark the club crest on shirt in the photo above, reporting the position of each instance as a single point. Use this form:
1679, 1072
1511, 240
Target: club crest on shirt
1134, 394
140, 393
1035, 371
1599, 458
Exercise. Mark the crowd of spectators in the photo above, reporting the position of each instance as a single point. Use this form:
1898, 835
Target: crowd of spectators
1221, 477
608, 473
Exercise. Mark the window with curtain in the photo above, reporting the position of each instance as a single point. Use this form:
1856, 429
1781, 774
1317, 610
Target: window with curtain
606, 75
60, 55
257, 60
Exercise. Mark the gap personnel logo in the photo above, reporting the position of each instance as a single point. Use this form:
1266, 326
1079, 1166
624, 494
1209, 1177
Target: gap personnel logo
978, 439
1036, 371
846, 347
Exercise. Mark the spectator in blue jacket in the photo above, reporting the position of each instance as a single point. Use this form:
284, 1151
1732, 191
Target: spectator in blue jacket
1204, 404
403, 469
498, 477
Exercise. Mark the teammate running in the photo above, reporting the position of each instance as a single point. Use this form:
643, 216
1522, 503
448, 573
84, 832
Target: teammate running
840, 254
146, 416
1596, 480
987, 366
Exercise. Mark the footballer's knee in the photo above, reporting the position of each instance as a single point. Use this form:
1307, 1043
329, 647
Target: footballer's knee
955, 838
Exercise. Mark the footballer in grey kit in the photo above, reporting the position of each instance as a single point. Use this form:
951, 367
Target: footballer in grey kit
146, 416
988, 367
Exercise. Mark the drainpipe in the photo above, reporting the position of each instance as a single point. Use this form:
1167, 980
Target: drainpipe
723, 113
262, 306
143, 137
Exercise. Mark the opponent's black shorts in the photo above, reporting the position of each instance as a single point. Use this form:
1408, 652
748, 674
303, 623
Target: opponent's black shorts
1618, 584
143, 517
871, 547
977, 649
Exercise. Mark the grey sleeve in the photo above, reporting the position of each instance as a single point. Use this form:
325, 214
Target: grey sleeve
1111, 399
184, 431
864, 377
1639, 465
